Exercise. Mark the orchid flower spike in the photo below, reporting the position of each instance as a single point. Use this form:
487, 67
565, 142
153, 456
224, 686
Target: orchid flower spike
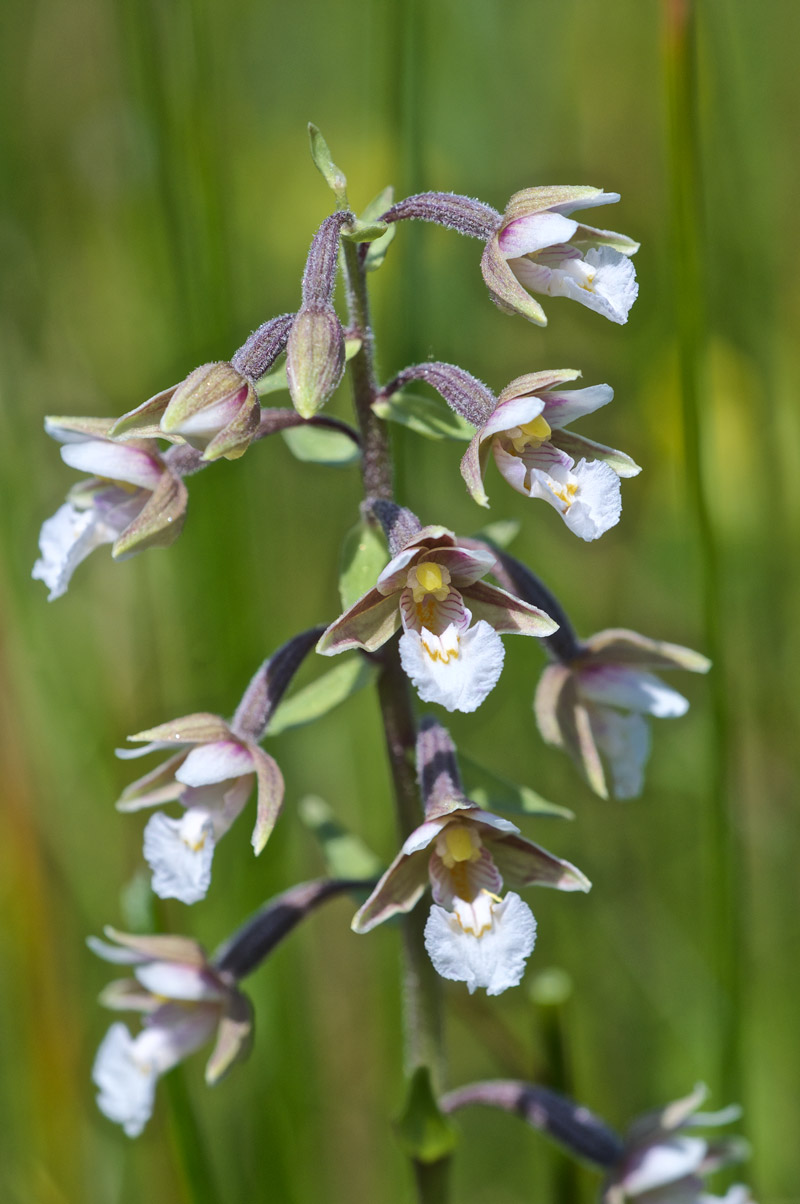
537, 455
184, 1001
212, 775
472, 935
132, 499
594, 704
425, 588
662, 1163
539, 248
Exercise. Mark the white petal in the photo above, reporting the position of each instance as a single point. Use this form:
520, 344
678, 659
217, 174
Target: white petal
598, 502
180, 852
632, 689
459, 674
562, 408
65, 540
495, 960
534, 232
118, 954
513, 413
126, 1088
664, 1163
172, 980
602, 198
215, 762
625, 742
114, 462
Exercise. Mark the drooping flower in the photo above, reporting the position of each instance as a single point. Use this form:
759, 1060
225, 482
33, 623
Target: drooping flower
539, 248
184, 1001
537, 455
594, 705
132, 500
662, 1163
452, 654
472, 935
212, 776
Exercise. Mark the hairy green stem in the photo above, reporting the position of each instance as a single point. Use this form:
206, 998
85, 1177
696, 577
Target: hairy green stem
680, 29
422, 993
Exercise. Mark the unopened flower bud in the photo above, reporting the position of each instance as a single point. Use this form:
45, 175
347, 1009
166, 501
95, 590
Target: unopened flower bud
215, 410
314, 358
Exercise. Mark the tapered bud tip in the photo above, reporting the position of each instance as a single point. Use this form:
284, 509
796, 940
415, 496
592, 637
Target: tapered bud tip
314, 359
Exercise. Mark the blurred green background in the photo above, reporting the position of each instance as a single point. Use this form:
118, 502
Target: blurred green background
157, 202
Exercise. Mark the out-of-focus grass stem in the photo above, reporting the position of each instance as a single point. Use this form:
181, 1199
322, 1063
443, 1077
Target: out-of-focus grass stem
191, 1158
680, 67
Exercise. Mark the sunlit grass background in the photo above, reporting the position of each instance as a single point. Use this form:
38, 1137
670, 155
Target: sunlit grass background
157, 202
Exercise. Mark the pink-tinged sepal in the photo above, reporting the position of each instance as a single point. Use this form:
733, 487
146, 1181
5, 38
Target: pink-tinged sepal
506, 613
315, 359
215, 410
234, 1038
270, 796
198, 728
159, 522
158, 786
504, 288
620, 646
144, 422
397, 892
368, 625
523, 863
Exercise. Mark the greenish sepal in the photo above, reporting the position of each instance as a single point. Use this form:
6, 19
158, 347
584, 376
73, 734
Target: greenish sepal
320, 445
502, 533
376, 252
323, 695
423, 1131
423, 415
494, 793
333, 176
275, 381
346, 855
364, 556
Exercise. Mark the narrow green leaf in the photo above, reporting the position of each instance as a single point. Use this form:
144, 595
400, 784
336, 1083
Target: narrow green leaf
364, 555
377, 249
424, 1132
328, 691
425, 416
321, 445
323, 160
501, 534
497, 794
346, 855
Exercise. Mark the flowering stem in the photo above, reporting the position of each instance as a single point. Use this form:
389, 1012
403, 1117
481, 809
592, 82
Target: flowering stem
422, 995
726, 935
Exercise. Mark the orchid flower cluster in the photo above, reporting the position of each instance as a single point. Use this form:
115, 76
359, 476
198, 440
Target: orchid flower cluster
430, 617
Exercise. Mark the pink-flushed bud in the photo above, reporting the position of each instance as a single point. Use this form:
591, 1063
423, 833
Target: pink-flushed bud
315, 358
215, 410
184, 1001
211, 773
595, 705
132, 499
465, 853
433, 589
539, 457
539, 248
665, 1159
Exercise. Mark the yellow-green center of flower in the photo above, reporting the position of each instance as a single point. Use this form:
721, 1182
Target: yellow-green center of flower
566, 494
458, 843
429, 578
532, 434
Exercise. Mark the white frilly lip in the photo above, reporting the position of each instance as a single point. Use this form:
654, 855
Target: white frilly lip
180, 853
126, 1089
496, 959
70, 535
609, 287
462, 681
